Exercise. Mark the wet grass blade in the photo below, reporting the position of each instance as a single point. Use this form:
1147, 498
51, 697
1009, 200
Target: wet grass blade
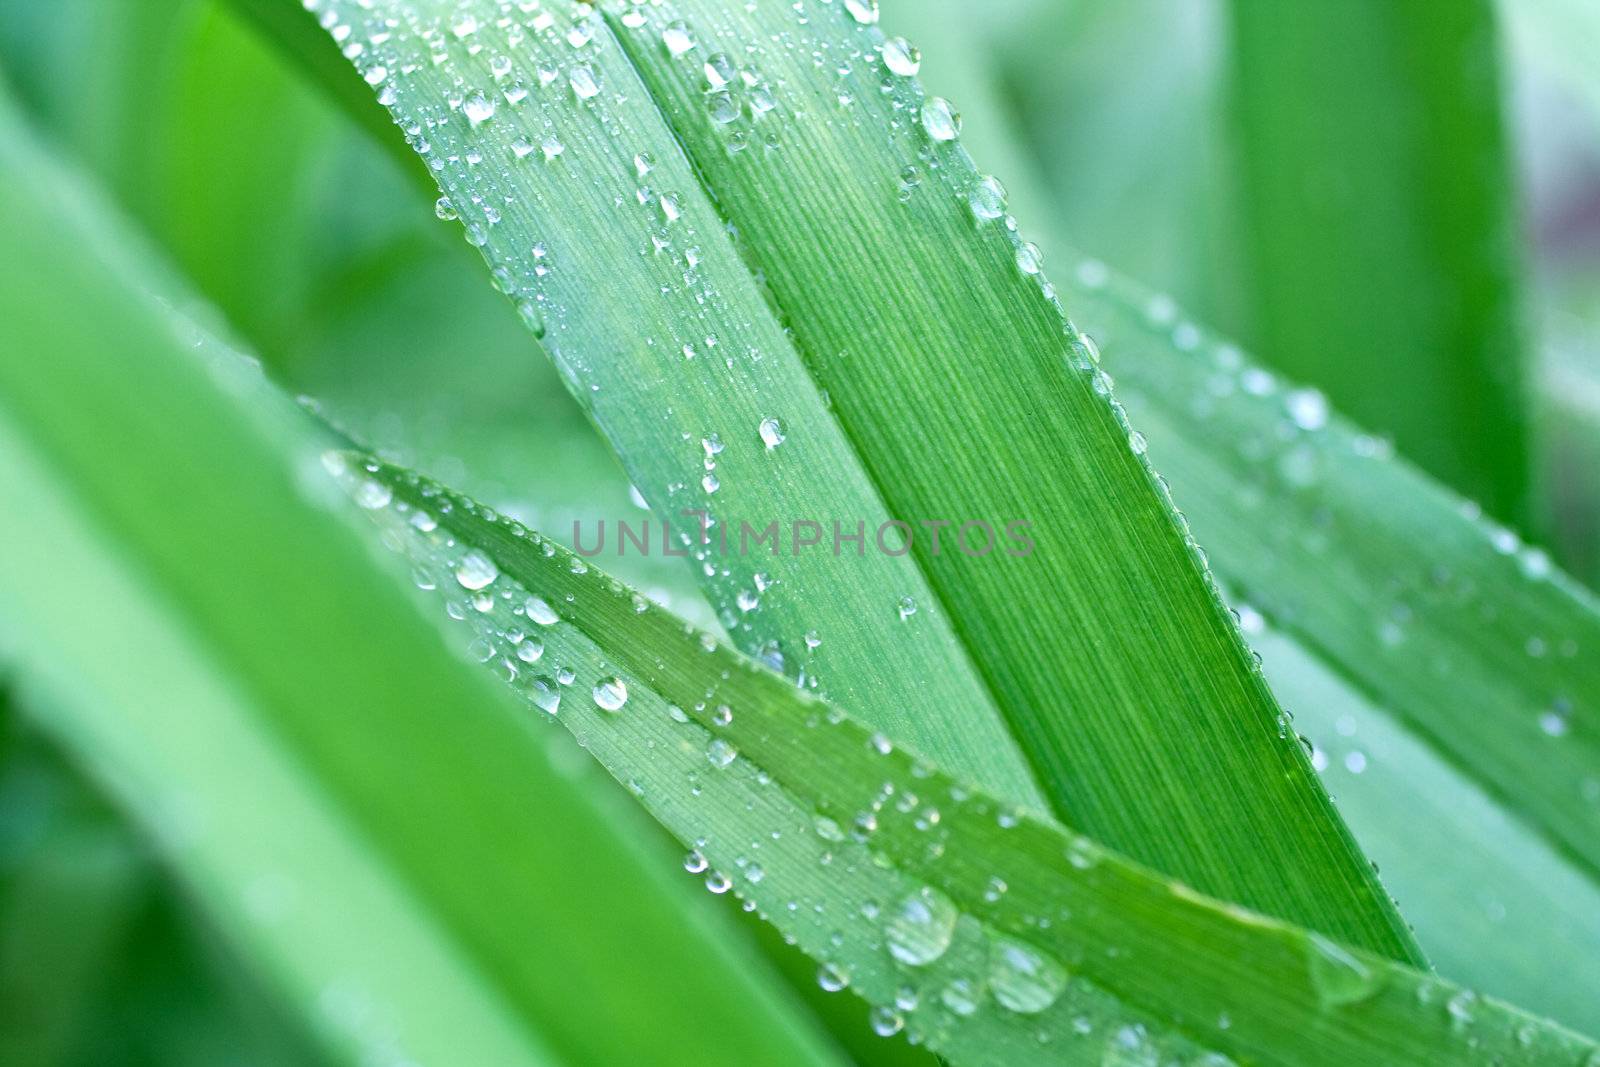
1410, 666
991, 935
374, 827
1380, 228
550, 148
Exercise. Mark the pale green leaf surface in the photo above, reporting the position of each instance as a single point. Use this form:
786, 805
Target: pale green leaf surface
618, 299
993, 936
417, 873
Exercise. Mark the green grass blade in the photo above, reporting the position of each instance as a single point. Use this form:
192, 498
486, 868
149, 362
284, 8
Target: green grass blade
354, 809
1379, 225
1475, 640
1225, 433
991, 935
1145, 732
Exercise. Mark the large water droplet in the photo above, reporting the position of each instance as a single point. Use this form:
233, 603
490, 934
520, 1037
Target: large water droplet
1022, 979
939, 120
919, 928
772, 434
539, 610
476, 571
720, 752
584, 83
1338, 976
478, 109
677, 38
610, 694
987, 198
863, 11
901, 57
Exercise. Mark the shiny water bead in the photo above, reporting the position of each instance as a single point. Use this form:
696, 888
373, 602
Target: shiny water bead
539, 610
677, 38
987, 198
1308, 408
610, 694
901, 57
584, 83
476, 571
719, 70
721, 107
772, 434
546, 694
1023, 980
940, 121
886, 1022
373, 494
720, 752
863, 11
1029, 259
831, 979
920, 927
478, 109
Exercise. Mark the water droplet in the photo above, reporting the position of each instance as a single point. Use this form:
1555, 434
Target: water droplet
610, 694
719, 70
885, 1021
478, 109
584, 83
539, 610
1308, 408
720, 752
987, 198
939, 120
961, 996
907, 607
677, 38
529, 649
546, 695
446, 210
1338, 976
1023, 980
920, 927
1029, 259
1137, 443
721, 106
551, 147
901, 56
772, 434
863, 11
373, 494
695, 862
831, 978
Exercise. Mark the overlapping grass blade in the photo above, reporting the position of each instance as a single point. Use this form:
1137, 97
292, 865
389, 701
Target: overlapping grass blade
1271, 479
1160, 738
418, 874
1378, 221
991, 934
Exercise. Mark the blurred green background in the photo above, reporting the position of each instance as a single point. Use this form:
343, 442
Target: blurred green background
1276, 168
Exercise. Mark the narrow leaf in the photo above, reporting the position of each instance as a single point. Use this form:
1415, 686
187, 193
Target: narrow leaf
990, 934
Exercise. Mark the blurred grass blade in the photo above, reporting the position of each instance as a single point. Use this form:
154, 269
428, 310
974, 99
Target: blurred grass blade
991, 935
1379, 225
1158, 738
410, 867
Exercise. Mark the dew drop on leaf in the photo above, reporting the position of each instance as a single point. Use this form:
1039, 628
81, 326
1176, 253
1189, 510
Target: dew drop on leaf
918, 929
1338, 976
1022, 979
610, 694
939, 120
